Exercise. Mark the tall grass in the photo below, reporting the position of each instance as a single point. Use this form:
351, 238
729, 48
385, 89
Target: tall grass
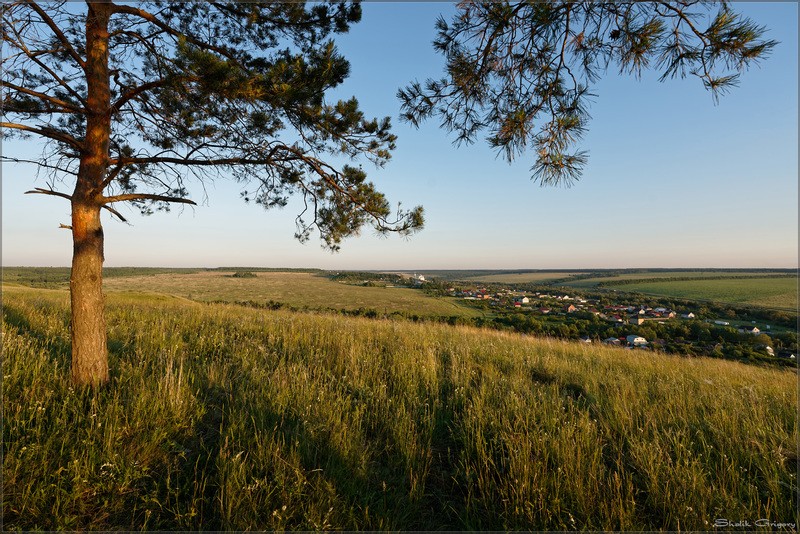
221, 417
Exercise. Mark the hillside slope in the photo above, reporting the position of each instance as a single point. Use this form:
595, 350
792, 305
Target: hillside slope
224, 417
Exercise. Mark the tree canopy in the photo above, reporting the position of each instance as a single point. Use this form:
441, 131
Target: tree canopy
521, 72
198, 89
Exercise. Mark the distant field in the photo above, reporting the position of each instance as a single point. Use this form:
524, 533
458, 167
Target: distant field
592, 282
521, 278
301, 290
58, 277
768, 292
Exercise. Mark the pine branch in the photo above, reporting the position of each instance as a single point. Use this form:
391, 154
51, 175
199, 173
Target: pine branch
66, 106
45, 131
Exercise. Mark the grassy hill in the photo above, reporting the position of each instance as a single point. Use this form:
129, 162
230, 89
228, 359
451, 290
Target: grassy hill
296, 289
224, 417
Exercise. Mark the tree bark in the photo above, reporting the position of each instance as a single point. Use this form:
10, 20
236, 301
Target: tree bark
89, 349
89, 346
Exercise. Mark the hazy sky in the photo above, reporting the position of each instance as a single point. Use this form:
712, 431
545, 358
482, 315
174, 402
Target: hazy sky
672, 181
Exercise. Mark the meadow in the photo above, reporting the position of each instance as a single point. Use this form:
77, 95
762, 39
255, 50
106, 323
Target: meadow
294, 289
658, 275
223, 417
58, 277
765, 292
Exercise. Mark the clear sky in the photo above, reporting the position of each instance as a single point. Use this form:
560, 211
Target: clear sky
672, 181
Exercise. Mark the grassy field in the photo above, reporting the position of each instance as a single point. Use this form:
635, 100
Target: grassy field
587, 283
297, 289
768, 292
58, 277
230, 418
522, 278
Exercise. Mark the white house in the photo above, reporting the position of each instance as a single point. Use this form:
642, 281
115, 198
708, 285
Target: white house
689, 315
636, 341
749, 330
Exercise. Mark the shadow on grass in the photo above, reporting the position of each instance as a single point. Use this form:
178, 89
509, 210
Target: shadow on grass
59, 348
379, 495
444, 504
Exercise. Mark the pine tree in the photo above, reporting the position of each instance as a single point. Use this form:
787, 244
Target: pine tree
521, 71
137, 99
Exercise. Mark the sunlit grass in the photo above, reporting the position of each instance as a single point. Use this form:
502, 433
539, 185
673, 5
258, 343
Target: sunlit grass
221, 417
295, 289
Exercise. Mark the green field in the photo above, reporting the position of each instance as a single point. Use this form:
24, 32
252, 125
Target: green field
223, 417
767, 292
55, 277
587, 283
296, 289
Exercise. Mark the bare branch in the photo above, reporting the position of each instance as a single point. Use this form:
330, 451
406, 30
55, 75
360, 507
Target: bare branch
40, 191
58, 33
190, 161
124, 99
115, 212
20, 44
145, 196
42, 164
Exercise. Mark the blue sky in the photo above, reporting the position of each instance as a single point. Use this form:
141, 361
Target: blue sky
672, 181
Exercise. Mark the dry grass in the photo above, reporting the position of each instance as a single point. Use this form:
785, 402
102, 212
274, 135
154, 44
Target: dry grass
221, 417
297, 289
522, 278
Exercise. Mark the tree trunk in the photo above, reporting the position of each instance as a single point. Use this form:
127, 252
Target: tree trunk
89, 349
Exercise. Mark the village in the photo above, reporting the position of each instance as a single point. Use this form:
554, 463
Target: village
628, 324
610, 317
